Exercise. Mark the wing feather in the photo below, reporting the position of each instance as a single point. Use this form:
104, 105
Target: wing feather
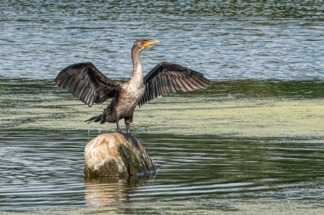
167, 77
170, 84
165, 87
182, 88
87, 83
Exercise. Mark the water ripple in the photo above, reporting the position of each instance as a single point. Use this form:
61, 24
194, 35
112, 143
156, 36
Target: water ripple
225, 41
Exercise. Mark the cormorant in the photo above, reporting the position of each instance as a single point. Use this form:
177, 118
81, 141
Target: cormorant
89, 85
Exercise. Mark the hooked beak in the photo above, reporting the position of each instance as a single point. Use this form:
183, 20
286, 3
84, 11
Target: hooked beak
148, 43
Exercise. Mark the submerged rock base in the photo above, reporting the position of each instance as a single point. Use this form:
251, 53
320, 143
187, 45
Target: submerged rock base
116, 155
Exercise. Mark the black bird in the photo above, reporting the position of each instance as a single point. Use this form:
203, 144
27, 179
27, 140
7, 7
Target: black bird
90, 86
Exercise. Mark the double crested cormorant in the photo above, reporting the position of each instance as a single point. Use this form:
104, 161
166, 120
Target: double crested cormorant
90, 86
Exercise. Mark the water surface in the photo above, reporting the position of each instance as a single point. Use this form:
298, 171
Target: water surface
42, 166
40, 169
251, 50
227, 40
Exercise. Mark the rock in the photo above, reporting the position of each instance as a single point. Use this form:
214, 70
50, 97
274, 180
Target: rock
116, 155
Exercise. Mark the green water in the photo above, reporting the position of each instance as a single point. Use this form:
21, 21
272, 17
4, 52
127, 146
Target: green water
43, 166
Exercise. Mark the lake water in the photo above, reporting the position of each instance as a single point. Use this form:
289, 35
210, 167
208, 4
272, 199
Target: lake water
229, 40
276, 49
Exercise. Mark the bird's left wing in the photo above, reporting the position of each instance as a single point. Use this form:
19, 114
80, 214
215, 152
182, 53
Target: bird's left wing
87, 83
167, 77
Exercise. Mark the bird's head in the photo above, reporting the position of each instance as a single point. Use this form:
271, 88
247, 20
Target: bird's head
142, 44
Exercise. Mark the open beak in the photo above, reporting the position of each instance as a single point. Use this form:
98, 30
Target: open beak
148, 43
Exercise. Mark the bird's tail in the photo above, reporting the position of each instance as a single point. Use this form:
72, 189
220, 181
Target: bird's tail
100, 118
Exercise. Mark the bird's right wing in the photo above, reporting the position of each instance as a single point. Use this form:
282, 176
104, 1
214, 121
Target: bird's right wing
168, 77
87, 83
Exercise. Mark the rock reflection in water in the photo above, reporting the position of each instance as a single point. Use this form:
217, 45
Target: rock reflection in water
109, 194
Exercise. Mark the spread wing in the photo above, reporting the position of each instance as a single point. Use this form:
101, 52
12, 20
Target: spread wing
167, 77
87, 83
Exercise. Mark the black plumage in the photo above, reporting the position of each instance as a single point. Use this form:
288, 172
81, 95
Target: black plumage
168, 77
87, 83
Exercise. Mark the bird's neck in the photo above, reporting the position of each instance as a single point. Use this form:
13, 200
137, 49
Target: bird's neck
137, 75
